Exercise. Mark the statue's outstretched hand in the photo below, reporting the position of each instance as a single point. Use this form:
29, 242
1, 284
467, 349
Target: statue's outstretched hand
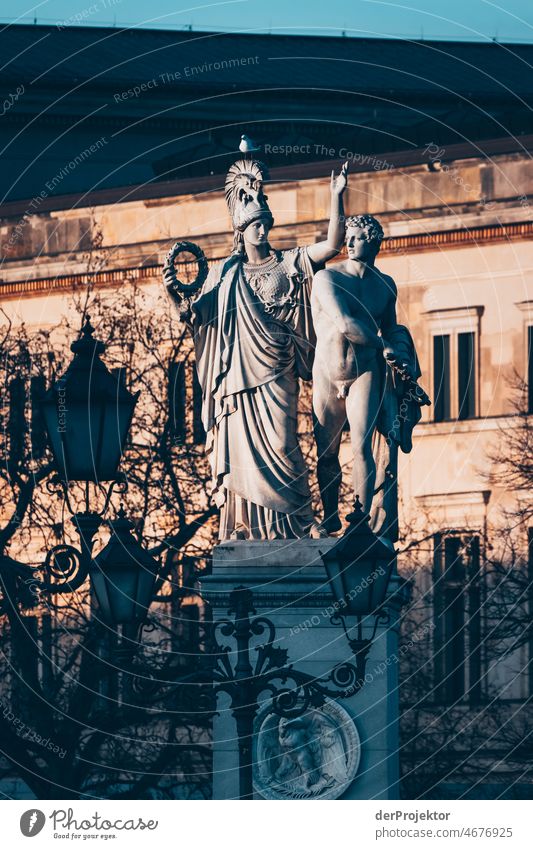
169, 280
396, 362
182, 304
388, 351
338, 184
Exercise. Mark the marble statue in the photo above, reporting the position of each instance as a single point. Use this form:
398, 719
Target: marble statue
254, 340
365, 370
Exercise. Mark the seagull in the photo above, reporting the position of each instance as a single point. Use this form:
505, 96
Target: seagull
247, 145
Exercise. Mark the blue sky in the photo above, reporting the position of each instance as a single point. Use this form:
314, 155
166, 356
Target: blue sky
464, 19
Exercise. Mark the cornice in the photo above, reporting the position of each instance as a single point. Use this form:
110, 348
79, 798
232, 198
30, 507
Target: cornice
465, 237
69, 282
399, 245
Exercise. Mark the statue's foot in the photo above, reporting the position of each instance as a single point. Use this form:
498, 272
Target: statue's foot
317, 531
239, 534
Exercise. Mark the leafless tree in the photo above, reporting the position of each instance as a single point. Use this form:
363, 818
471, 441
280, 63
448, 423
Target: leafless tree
477, 742
73, 721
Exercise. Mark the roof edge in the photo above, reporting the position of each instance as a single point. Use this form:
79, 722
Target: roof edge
289, 173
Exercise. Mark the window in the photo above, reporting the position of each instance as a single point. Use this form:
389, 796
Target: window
466, 376
526, 308
25, 415
441, 378
457, 612
530, 368
455, 335
17, 420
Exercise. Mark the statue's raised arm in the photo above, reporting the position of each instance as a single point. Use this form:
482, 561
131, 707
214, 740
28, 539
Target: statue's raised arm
321, 252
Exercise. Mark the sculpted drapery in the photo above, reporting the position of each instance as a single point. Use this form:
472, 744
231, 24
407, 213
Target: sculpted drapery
399, 413
253, 341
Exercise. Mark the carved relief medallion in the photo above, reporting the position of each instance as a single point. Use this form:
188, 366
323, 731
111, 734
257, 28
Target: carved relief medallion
311, 757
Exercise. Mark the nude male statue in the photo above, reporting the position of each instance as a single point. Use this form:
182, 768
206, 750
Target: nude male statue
354, 313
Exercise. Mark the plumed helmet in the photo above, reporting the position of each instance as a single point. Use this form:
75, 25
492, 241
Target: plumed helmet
244, 193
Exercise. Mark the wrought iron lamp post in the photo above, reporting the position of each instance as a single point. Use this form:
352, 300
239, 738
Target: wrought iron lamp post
359, 568
245, 678
87, 415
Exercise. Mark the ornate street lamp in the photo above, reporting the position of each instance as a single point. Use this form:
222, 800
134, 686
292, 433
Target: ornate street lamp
123, 575
359, 567
87, 414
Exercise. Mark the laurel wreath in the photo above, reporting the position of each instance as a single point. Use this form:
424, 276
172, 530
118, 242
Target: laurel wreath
169, 268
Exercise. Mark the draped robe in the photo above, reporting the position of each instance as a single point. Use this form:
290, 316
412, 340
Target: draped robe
249, 358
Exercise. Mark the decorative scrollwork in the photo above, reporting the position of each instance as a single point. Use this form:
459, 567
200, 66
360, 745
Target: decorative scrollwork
65, 568
346, 677
272, 665
382, 617
222, 668
188, 694
291, 703
344, 681
56, 486
146, 685
147, 627
62, 562
119, 484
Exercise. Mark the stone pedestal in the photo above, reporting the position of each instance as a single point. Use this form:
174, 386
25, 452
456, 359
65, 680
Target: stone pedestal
290, 587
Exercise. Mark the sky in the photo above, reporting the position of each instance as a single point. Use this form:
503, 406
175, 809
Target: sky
508, 20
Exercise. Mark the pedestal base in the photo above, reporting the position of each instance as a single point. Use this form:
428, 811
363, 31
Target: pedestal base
290, 587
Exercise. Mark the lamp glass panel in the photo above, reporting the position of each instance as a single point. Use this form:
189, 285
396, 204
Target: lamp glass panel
145, 589
115, 428
84, 434
122, 591
361, 586
333, 569
99, 585
357, 585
